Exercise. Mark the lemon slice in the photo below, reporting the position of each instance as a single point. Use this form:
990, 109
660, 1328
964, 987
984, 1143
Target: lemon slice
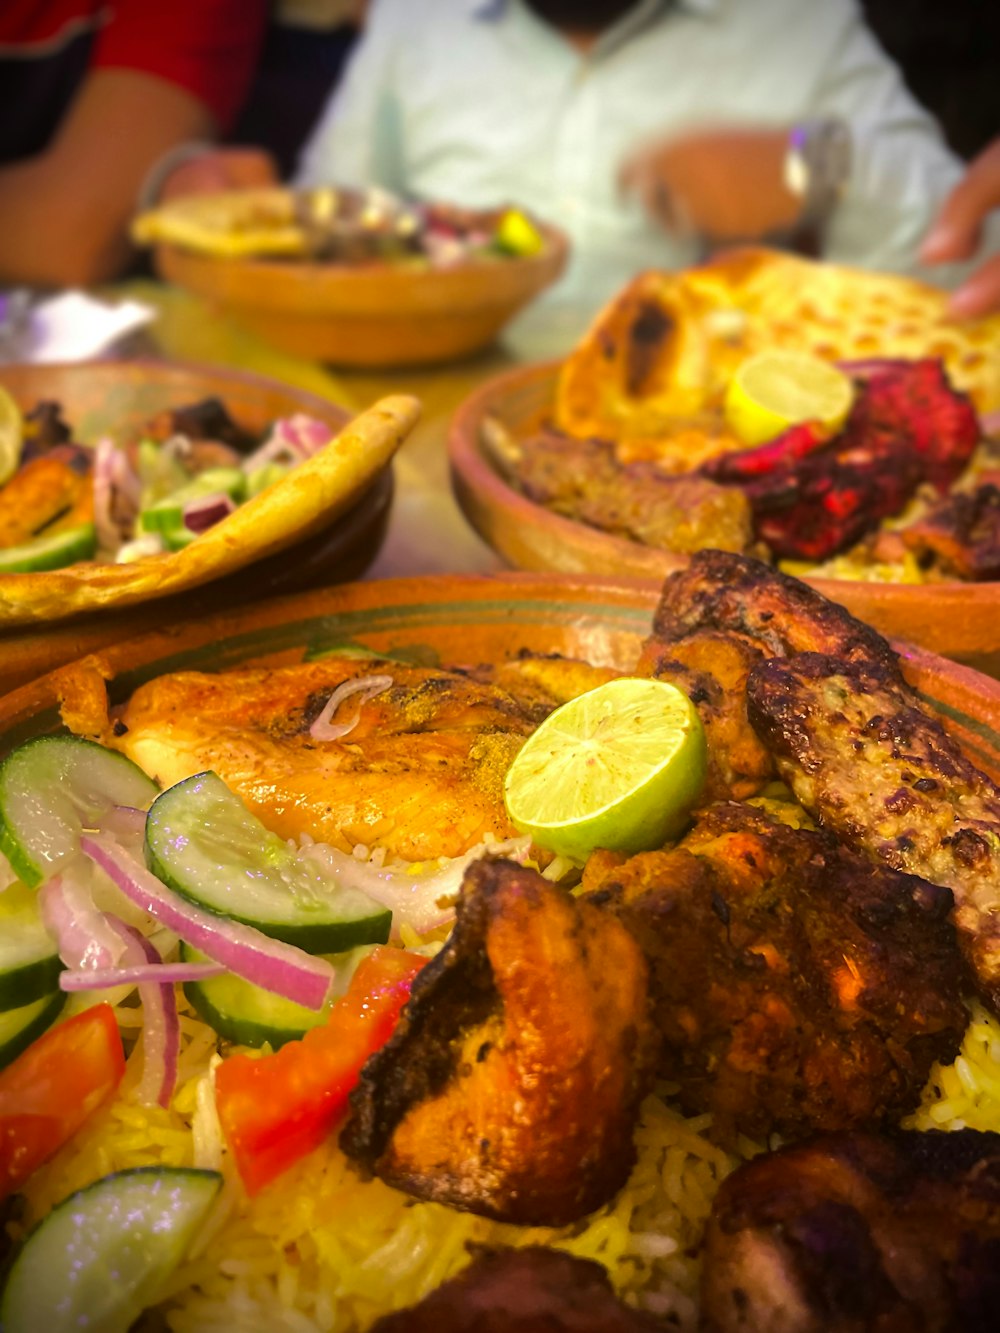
776, 389
517, 234
617, 767
11, 436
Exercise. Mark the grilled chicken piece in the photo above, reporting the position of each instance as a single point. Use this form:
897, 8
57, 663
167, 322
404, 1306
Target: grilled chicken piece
853, 1233
715, 621
510, 1087
583, 479
421, 773
543, 682
42, 491
712, 669
796, 986
780, 615
960, 536
872, 765
529, 1290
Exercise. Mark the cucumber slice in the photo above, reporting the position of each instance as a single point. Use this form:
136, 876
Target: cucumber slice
204, 843
167, 515
51, 552
29, 961
53, 787
20, 1027
246, 1014
103, 1255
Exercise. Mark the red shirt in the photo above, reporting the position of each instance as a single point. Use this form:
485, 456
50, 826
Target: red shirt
208, 47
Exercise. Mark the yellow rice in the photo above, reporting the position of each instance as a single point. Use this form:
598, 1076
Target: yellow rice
321, 1250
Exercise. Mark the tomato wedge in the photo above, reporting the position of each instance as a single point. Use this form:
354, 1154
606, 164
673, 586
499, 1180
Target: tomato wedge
276, 1108
51, 1088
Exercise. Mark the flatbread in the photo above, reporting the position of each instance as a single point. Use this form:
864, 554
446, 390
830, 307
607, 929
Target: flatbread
231, 224
306, 501
668, 345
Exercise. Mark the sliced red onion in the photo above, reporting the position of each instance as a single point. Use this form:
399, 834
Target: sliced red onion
208, 510
178, 448
366, 686
989, 424
116, 494
292, 440
277, 967
138, 974
422, 901
161, 1030
83, 935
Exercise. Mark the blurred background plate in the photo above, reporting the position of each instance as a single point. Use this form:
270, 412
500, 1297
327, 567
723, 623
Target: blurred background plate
960, 620
112, 397
375, 315
451, 620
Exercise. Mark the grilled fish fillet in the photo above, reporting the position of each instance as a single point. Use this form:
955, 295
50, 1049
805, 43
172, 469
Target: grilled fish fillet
420, 774
870, 764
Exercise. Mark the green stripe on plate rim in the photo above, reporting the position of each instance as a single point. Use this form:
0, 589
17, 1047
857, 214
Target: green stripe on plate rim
970, 724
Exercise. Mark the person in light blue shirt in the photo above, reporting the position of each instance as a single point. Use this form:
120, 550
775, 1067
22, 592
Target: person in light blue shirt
649, 130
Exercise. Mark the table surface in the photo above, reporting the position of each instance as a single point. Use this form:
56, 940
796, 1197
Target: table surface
427, 532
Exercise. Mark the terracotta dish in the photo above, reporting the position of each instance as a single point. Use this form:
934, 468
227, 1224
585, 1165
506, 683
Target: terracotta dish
451, 619
322, 522
961, 620
370, 315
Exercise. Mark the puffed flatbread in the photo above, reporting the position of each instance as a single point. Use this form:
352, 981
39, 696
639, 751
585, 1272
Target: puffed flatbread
668, 345
306, 501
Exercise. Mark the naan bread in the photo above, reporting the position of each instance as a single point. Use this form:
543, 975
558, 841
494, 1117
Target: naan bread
668, 345
307, 500
231, 224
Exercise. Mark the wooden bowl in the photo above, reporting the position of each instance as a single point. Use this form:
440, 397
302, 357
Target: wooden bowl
112, 397
379, 315
960, 620
454, 620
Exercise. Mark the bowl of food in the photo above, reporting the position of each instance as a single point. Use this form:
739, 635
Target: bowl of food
357, 279
623, 458
129, 482
602, 1062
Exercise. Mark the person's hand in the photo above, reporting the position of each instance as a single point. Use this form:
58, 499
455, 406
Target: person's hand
221, 169
955, 235
724, 184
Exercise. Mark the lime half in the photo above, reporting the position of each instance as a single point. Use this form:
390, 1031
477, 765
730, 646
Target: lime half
11, 437
777, 389
618, 767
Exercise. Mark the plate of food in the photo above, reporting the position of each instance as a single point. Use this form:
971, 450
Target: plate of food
127, 482
356, 278
389, 1049
626, 458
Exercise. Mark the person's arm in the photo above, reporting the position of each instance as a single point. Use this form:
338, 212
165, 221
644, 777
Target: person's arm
957, 234
66, 212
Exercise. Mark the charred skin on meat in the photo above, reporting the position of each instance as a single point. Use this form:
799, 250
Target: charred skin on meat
856, 1233
780, 615
870, 764
712, 669
527, 1290
960, 536
796, 986
511, 1085
715, 621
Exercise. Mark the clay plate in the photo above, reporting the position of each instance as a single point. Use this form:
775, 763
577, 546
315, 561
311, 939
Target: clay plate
961, 620
453, 620
374, 315
106, 397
